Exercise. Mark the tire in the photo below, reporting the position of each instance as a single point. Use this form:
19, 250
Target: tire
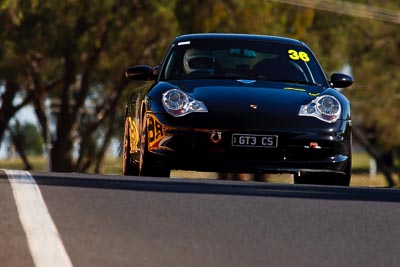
322, 179
129, 166
150, 165
325, 178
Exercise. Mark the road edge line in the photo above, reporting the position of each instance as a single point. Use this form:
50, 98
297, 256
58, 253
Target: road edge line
43, 238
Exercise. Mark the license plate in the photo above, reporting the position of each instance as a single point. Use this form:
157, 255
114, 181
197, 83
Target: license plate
254, 140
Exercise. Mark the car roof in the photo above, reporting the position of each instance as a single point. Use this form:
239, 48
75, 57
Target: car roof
236, 36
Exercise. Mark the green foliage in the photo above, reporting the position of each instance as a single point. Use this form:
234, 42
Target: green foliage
373, 50
73, 53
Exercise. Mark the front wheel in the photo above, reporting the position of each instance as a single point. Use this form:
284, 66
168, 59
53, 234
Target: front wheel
322, 179
150, 165
129, 166
326, 178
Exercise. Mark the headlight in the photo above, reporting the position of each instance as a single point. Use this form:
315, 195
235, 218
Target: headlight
178, 103
326, 108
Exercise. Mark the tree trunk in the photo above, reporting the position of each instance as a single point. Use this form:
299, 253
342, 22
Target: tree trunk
373, 152
7, 109
17, 139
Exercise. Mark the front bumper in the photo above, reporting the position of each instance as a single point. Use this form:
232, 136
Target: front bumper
201, 149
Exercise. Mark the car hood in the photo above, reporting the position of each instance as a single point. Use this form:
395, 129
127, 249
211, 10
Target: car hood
244, 96
249, 103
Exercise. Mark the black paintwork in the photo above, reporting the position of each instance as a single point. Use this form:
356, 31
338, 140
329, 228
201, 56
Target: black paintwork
202, 141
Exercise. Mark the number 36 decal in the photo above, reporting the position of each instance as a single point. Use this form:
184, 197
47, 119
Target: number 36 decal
296, 55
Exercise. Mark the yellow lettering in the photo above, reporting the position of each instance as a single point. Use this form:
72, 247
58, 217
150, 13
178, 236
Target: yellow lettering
296, 55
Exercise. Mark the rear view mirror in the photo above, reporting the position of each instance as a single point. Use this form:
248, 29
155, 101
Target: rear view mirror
341, 80
140, 72
242, 52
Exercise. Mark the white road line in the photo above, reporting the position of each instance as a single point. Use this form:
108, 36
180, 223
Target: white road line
44, 241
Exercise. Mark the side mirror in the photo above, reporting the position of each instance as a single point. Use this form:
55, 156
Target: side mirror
140, 72
341, 80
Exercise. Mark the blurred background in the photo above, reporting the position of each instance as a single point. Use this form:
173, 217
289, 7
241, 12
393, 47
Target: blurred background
63, 92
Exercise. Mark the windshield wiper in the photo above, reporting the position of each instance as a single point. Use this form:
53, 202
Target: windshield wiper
227, 77
296, 81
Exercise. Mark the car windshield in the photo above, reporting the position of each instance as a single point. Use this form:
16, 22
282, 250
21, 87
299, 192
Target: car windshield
242, 59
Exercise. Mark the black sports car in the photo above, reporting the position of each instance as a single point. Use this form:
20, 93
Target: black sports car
239, 103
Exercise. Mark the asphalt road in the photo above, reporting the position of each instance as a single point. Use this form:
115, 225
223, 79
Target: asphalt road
139, 221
